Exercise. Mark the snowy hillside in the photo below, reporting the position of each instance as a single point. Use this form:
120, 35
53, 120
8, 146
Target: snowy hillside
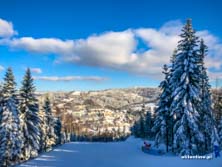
95, 114
119, 154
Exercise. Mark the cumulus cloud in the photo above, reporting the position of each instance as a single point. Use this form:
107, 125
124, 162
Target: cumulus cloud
43, 45
114, 50
120, 50
70, 78
215, 49
110, 49
36, 70
6, 29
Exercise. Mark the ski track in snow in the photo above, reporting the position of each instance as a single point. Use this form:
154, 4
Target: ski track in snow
115, 154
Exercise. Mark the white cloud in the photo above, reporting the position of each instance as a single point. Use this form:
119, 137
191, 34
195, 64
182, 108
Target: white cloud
43, 45
70, 78
110, 49
215, 49
2, 68
119, 50
6, 29
114, 50
215, 75
172, 27
36, 70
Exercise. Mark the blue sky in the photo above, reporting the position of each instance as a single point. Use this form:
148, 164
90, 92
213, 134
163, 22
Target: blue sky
88, 45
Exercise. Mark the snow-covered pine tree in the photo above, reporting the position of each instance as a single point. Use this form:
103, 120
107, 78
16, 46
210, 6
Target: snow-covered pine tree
142, 131
172, 59
30, 121
58, 130
162, 119
148, 124
220, 132
185, 81
142, 125
10, 135
51, 136
172, 119
138, 127
217, 106
205, 110
43, 130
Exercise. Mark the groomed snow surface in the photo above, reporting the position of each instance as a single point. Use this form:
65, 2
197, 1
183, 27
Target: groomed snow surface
115, 154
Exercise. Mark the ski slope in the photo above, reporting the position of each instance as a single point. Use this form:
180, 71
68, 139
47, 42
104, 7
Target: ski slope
119, 154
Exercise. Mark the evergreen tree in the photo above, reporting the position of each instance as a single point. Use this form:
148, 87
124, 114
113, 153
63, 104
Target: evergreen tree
43, 130
171, 89
139, 129
136, 128
50, 131
10, 136
142, 126
172, 59
205, 110
162, 120
58, 130
220, 132
148, 124
185, 81
218, 116
218, 107
29, 116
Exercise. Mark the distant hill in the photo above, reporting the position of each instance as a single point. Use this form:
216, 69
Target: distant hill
92, 113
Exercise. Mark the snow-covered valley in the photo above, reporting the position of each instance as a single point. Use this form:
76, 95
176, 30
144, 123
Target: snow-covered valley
113, 154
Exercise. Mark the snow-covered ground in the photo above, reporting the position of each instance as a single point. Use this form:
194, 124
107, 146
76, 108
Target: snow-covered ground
119, 154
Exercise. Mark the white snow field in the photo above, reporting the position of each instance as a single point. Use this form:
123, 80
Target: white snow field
115, 154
